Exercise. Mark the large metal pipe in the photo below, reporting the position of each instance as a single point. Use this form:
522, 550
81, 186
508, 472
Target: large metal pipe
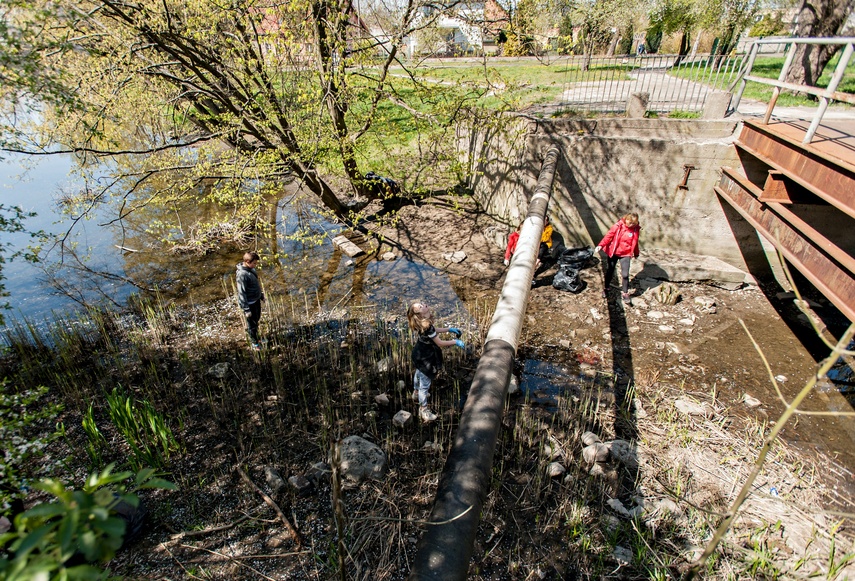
446, 546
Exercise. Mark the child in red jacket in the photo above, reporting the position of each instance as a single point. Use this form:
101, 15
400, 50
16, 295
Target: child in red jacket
620, 245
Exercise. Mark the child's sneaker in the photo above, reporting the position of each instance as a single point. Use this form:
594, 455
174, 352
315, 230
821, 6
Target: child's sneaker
426, 415
415, 395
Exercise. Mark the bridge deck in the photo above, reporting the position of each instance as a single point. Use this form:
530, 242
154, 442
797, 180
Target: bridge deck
835, 138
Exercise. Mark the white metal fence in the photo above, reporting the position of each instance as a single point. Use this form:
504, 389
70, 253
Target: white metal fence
673, 83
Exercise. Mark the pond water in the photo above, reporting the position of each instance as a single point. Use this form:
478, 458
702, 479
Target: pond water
134, 260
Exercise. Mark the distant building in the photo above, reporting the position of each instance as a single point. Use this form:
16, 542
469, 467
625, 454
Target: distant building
470, 28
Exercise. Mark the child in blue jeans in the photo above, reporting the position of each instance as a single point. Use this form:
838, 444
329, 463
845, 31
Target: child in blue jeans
427, 354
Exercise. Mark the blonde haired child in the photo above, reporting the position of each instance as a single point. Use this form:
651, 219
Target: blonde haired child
427, 354
621, 245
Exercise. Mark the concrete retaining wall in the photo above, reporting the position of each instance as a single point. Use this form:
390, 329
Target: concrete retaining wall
610, 167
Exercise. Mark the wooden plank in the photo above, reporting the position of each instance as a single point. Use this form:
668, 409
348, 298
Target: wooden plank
347, 246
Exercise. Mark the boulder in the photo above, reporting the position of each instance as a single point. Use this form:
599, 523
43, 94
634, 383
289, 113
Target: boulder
402, 419
300, 484
589, 438
319, 472
705, 305
219, 370
596, 452
454, 257
622, 451
690, 408
382, 399
360, 459
555, 469
273, 479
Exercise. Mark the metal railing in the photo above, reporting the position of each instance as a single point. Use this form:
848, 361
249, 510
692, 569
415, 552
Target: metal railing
672, 82
826, 95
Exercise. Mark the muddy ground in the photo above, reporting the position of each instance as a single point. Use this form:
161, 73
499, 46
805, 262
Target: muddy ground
681, 384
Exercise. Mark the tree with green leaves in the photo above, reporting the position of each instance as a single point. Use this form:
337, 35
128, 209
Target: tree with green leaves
198, 98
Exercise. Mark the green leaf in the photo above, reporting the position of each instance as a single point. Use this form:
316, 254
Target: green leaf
32, 540
160, 483
85, 573
113, 526
143, 475
67, 529
42, 511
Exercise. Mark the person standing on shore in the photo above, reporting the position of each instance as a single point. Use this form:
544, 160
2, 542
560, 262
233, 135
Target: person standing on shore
427, 354
620, 245
249, 295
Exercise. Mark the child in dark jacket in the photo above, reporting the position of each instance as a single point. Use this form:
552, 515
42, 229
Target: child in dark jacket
621, 245
427, 354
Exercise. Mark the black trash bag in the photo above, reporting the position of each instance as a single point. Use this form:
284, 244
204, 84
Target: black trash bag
382, 186
567, 279
577, 257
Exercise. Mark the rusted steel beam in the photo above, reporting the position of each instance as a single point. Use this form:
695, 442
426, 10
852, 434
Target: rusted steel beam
834, 282
831, 179
775, 189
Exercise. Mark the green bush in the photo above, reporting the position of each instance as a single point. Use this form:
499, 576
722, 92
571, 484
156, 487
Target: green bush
78, 521
24, 433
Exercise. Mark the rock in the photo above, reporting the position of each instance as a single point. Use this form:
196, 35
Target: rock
402, 419
349, 263
688, 321
730, 286
370, 415
555, 469
382, 399
552, 450
389, 256
402, 385
300, 484
617, 506
360, 459
665, 506
319, 472
622, 555
622, 451
273, 479
780, 378
356, 395
514, 385
705, 304
565, 343
5, 525
589, 438
674, 348
667, 329
640, 303
596, 452
751, 402
640, 412
432, 446
219, 370
454, 257
596, 314
383, 365
634, 329
666, 294
690, 408
656, 315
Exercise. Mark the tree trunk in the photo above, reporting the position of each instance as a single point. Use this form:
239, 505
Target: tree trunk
817, 18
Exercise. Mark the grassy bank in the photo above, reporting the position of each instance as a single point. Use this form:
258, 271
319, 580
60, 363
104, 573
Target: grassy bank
230, 411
